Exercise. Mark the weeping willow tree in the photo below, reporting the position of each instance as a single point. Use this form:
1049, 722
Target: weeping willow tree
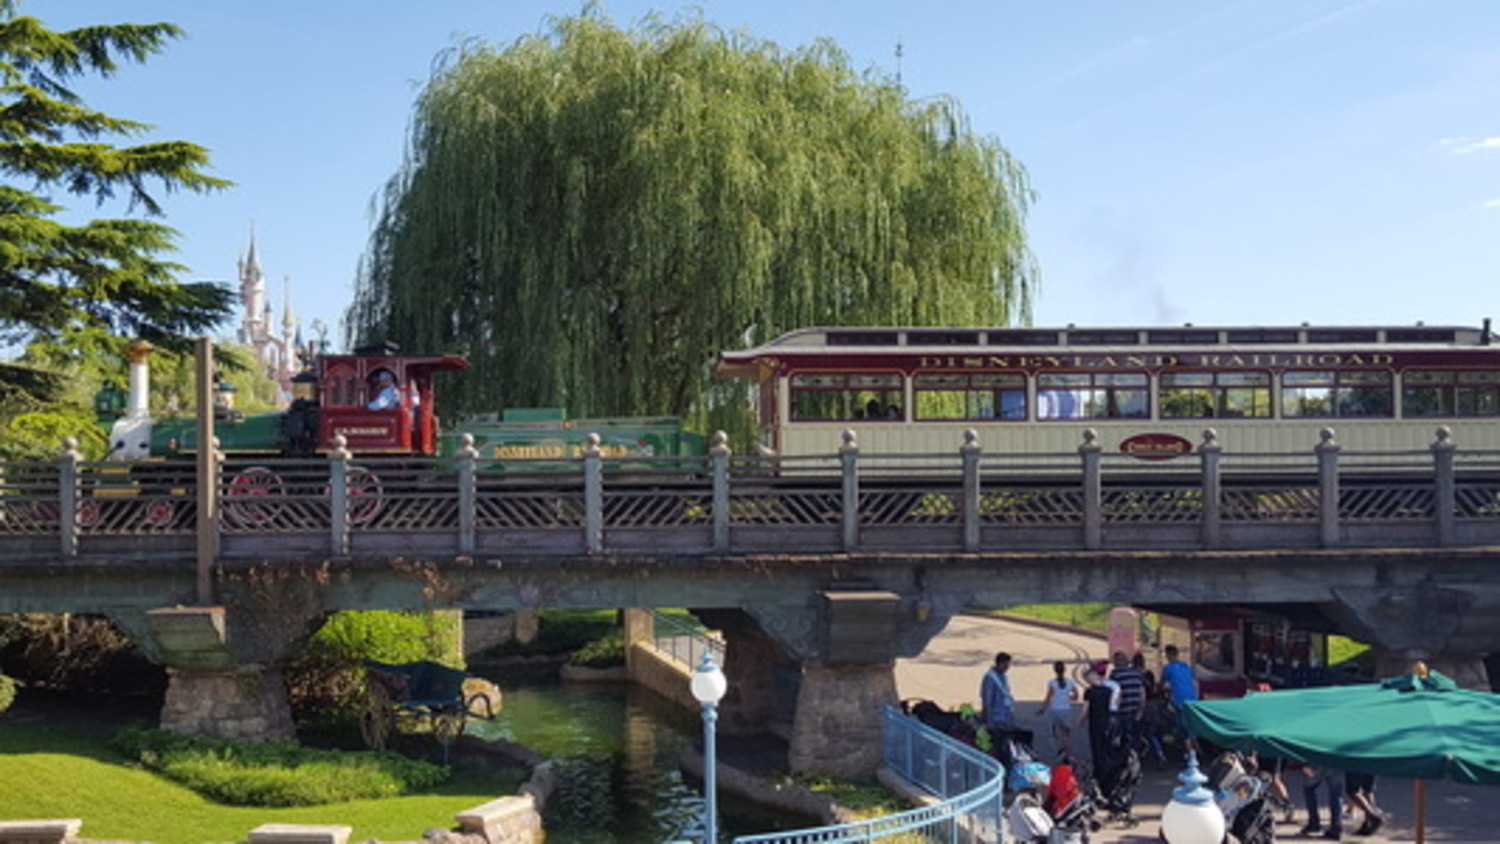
591, 214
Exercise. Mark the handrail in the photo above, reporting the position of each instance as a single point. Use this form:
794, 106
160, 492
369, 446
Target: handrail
683, 642
848, 501
970, 783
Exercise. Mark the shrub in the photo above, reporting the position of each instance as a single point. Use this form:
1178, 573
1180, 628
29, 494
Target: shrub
563, 631
7, 692
325, 681
605, 652
274, 773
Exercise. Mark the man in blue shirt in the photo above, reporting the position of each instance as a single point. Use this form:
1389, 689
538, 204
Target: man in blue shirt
1179, 680
995, 698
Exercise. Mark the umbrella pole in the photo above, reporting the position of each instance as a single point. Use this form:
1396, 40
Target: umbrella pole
1420, 798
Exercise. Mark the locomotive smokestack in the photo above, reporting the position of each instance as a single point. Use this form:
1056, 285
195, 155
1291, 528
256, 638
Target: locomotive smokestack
138, 353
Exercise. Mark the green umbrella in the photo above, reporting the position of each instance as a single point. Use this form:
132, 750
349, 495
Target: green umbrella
1421, 726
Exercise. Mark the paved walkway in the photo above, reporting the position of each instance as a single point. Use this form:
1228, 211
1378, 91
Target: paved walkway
949, 672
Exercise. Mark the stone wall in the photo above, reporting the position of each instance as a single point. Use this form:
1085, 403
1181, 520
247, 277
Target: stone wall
247, 702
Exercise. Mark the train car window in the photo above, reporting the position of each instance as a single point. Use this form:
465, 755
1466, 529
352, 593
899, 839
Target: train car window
1184, 337
1332, 393
817, 397
861, 338
987, 396
1215, 395
1098, 395
1104, 338
1450, 393
1341, 335
942, 338
1024, 337
1261, 336
1420, 335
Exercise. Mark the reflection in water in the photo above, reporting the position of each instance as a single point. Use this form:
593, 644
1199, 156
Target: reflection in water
615, 749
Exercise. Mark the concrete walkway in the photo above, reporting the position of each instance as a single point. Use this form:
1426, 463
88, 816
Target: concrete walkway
949, 673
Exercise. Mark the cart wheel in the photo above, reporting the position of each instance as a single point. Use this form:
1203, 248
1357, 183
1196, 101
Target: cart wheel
376, 720
447, 726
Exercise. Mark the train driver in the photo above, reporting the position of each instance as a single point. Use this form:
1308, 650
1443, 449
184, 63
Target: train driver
387, 397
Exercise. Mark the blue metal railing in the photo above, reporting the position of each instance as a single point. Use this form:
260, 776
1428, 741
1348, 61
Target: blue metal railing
970, 784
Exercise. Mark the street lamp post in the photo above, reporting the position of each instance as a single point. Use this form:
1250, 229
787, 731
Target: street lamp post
1192, 817
709, 686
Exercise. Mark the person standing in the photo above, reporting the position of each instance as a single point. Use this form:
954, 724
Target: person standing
1178, 677
1057, 705
1132, 685
1333, 780
997, 704
1359, 789
1101, 698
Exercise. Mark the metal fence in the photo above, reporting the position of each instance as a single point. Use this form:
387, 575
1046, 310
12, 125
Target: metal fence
969, 784
684, 641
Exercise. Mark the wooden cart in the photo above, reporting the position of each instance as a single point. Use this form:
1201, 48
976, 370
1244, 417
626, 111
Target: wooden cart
423, 691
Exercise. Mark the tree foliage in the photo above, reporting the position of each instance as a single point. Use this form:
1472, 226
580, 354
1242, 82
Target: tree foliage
591, 214
90, 287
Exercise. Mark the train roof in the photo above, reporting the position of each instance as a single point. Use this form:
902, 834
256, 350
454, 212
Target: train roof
834, 340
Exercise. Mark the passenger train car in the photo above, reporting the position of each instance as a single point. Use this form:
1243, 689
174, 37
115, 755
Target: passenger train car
1147, 392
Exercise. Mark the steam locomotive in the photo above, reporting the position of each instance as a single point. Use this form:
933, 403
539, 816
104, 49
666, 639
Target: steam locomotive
340, 395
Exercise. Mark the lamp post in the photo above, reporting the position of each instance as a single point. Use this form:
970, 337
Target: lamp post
1192, 817
709, 686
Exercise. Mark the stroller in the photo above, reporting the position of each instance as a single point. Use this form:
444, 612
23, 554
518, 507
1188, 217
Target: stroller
1070, 805
1243, 794
1116, 778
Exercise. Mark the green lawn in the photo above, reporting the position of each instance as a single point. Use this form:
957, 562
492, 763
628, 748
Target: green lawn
52, 772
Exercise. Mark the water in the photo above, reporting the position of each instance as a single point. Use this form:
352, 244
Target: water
615, 749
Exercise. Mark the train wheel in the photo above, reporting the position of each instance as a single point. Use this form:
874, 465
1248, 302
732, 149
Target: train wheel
245, 501
366, 494
376, 719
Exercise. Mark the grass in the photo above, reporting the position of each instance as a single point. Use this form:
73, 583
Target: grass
53, 771
1087, 616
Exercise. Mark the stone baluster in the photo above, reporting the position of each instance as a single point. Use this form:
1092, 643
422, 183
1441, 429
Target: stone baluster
593, 496
468, 496
338, 495
67, 496
1209, 453
1093, 491
1446, 492
971, 452
1328, 487
718, 454
849, 466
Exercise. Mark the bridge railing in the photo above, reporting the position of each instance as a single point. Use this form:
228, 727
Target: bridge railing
969, 786
721, 503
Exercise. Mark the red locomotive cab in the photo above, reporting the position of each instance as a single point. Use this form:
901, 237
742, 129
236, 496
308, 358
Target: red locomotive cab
380, 403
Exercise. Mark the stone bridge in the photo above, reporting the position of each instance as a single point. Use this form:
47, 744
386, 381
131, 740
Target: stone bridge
820, 572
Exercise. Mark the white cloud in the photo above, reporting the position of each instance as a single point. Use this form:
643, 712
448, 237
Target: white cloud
1464, 146
1491, 204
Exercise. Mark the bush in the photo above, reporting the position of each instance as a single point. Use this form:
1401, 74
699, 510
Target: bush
7, 692
606, 652
325, 681
274, 773
563, 631
77, 653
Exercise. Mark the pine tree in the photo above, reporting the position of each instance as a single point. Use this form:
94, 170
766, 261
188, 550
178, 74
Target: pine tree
89, 287
592, 214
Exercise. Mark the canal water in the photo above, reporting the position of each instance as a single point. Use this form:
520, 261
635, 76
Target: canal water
615, 748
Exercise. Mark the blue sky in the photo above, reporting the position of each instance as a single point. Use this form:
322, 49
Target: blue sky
1195, 162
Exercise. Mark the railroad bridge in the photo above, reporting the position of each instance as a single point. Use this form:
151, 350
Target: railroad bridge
820, 571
